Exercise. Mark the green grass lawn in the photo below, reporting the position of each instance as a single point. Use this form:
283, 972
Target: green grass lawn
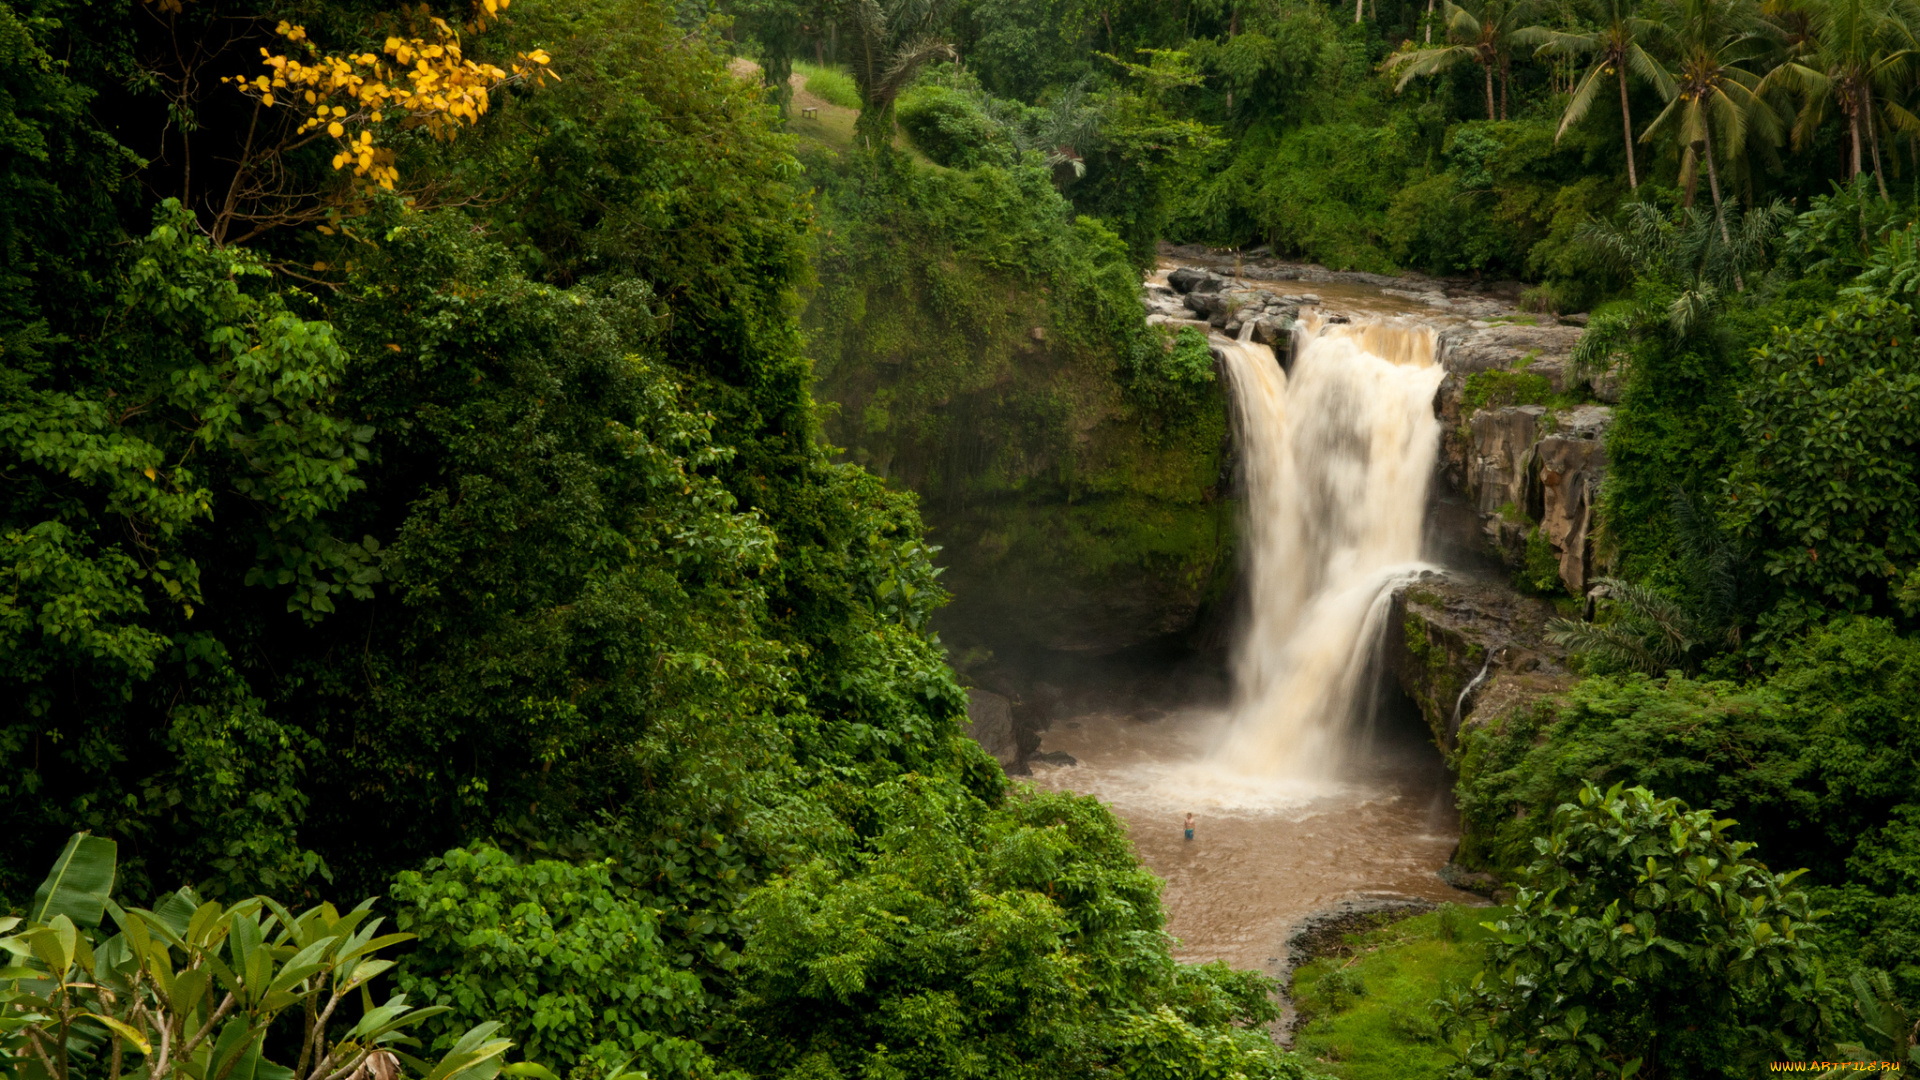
1370, 1007
830, 92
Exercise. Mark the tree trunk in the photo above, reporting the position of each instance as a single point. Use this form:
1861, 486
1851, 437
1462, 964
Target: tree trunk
1358, 7
1429, 22
1489, 70
1719, 212
1626, 121
1853, 129
1873, 140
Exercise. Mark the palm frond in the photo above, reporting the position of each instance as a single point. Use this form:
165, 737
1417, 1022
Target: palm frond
1582, 100
1647, 630
1613, 645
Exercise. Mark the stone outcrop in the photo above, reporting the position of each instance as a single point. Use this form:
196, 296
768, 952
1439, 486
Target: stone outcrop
1479, 346
1467, 651
990, 723
1500, 443
1573, 461
1524, 467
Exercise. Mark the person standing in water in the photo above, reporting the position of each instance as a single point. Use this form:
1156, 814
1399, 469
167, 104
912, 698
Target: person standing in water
1189, 826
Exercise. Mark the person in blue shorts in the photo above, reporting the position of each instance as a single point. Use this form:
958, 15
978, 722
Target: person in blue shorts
1189, 826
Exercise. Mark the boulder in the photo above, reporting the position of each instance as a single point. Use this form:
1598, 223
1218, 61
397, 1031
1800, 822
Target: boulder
1607, 385
1573, 462
990, 723
1273, 330
1185, 278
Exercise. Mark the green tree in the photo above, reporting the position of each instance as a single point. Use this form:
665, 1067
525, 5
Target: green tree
1484, 33
892, 41
572, 964
1712, 46
955, 940
1828, 488
1646, 943
1615, 50
194, 449
1858, 60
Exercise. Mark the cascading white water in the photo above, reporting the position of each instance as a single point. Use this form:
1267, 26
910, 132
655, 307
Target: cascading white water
1337, 458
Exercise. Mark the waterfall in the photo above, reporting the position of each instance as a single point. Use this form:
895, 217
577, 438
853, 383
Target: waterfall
1337, 456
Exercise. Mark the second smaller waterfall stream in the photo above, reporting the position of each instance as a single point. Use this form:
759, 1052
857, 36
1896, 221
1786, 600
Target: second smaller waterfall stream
1337, 456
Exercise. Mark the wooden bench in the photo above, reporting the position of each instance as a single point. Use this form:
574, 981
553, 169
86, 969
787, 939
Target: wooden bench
811, 112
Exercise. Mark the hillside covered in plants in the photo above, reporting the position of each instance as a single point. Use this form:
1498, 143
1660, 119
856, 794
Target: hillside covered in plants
478, 460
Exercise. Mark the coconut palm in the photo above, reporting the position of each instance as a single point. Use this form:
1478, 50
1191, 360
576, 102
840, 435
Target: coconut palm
1615, 50
1483, 32
892, 41
1716, 107
1855, 59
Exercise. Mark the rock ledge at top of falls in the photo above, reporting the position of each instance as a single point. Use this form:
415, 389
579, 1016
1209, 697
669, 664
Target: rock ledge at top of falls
1524, 469
1468, 651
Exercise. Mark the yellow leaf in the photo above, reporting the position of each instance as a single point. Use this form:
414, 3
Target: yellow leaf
267, 100
335, 129
151, 475
376, 116
310, 98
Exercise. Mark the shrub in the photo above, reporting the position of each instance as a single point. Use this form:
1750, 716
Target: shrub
191, 990
1540, 570
1500, 389
952, 128
573, 966
1646, 942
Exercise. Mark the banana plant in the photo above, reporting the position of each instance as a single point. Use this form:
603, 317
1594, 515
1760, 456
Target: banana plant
197, 990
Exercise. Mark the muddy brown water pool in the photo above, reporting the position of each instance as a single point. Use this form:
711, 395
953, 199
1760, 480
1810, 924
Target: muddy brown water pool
1264, 855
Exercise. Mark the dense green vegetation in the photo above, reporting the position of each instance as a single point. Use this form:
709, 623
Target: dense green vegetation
414, 488
432, 506
1367, 1004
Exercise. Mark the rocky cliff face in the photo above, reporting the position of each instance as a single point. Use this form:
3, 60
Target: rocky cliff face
1531, 471
1466, 650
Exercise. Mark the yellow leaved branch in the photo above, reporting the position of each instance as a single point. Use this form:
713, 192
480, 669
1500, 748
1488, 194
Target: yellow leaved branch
413, 82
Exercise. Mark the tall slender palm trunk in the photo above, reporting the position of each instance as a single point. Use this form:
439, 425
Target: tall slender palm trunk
1429, 22
1488, 67
1626, 121
1853, 129
1873, 140
1719, 212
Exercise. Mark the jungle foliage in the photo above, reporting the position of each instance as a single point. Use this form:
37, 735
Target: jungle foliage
470, 540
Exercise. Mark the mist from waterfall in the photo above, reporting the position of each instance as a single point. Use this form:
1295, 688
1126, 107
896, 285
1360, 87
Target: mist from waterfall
1337, 456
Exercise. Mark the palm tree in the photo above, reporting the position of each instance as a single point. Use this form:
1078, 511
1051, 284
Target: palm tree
1484, 36
1616, 50
1721, 590
1713, 42
893, 40
1854, 48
